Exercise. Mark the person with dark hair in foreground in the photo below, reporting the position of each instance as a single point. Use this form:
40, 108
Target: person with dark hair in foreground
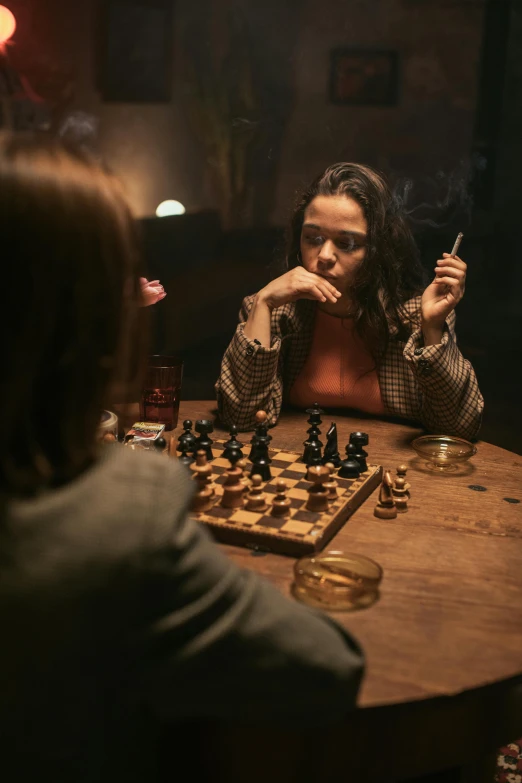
117, 611
352, 323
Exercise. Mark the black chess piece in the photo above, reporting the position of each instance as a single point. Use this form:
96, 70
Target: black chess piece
314, 420
360, 439
331, 450
233, 455
261, 431
204, 427
261, 466
187, 439
261, 460
160, 444
314, 456
349, 467
186, 457
233, 443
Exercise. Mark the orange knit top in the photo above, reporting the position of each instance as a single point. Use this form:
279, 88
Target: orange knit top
339, 371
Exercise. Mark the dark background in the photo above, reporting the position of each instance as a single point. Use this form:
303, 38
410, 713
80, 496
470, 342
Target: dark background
231, 113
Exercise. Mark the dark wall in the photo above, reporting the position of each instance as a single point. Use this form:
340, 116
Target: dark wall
157, 150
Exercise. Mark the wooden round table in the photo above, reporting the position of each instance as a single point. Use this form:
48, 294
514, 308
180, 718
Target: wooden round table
444, 641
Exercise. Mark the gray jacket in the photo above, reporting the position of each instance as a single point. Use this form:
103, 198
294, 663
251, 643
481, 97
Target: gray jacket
118, 613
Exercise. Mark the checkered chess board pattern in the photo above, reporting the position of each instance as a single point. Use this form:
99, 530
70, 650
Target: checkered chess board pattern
302, 531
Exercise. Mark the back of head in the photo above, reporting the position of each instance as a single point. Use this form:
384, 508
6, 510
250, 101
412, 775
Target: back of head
70, 307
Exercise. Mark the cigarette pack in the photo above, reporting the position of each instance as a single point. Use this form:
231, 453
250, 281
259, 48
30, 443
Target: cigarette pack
145, 430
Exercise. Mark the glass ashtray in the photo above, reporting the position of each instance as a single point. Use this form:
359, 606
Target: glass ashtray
337, 581
443, 452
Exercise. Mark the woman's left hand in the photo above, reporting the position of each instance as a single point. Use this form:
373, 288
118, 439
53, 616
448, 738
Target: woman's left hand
444, 292
152, 291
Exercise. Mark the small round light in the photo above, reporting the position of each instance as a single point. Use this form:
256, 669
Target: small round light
170, 207
7, 24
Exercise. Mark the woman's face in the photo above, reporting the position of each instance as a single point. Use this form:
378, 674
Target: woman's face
333, 239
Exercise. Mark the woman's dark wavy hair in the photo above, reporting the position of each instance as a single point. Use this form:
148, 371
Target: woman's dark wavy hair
391, 272
70, 320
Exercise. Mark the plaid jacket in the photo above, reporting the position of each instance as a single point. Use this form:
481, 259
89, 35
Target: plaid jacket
434, 385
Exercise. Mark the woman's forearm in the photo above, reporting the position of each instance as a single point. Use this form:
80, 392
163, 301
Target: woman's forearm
257, 326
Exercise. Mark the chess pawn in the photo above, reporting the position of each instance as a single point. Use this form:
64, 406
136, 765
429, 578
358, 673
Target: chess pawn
331, 484
349, 468
317, 493
185, 458
203, 428
160, 444
360, 439
256, 498
233, 455
202, 471
202, 500
280, 504
401, 473
233, 443
233, 489
261, 432
187, 439
400, 495
385, 508
242, 463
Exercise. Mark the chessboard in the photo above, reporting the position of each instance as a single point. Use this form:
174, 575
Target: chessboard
301, 532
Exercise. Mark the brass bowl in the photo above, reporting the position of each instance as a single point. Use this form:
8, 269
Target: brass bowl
443, 452
337, 581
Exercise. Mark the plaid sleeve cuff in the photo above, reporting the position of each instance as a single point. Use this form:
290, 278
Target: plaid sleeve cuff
259, 364
451, 399
432, 363
249, 381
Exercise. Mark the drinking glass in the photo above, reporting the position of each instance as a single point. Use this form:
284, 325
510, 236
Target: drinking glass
161, 392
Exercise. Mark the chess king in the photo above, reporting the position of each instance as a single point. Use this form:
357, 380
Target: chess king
352, 321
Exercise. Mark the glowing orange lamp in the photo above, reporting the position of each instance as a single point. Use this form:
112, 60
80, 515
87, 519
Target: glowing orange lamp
7, 24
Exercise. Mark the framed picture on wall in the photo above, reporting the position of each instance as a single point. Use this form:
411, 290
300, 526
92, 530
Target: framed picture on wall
135, 51
364, 76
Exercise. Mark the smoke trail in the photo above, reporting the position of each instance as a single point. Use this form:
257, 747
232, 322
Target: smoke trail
438, 201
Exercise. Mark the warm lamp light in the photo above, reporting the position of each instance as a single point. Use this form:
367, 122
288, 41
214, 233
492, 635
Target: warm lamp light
170, 207
7, 24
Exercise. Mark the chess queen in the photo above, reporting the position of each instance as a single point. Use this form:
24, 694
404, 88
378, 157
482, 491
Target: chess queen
352, 322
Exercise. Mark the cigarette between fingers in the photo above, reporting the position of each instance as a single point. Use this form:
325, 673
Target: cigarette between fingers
457, 244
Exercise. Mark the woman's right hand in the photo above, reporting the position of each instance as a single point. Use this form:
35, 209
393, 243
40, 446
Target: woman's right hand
296, 284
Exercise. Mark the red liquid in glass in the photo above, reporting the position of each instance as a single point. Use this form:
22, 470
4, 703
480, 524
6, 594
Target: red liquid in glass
161, 406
